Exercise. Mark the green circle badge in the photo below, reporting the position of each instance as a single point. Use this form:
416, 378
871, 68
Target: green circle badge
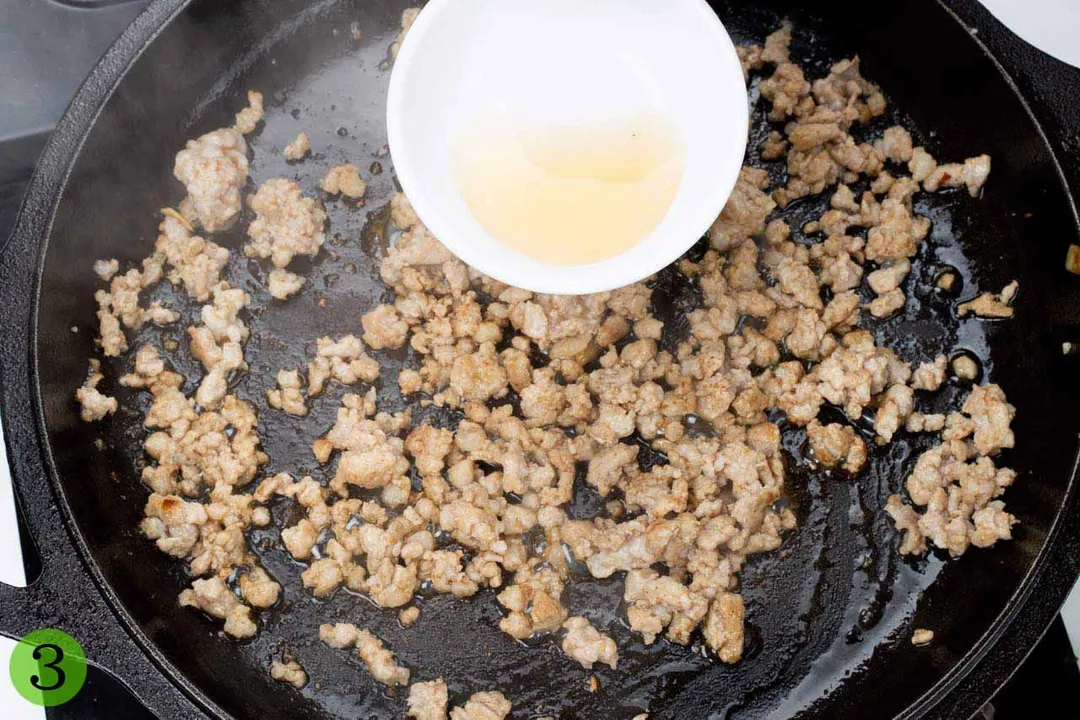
48, 667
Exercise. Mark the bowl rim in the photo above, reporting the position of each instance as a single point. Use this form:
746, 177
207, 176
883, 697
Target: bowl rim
531, 274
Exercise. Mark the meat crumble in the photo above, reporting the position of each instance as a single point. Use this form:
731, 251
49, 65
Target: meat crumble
965, 368
587, 645
289, 672
94, 404
344, 180
778, 333
214, 168
922, 636
379, 660
283, 284
299, 148
286, 223
428, 700
483, 706
989, 305
250, 117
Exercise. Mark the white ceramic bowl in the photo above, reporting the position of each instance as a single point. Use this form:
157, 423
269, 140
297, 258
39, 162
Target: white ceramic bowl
567, 62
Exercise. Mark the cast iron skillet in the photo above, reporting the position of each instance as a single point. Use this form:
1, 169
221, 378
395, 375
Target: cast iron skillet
830, 614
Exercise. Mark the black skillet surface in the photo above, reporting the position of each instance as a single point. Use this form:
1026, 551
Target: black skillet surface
830, 613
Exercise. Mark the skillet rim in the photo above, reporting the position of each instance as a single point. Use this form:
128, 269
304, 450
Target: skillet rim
961, 683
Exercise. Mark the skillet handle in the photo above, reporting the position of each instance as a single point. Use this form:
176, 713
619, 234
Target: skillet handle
64, 595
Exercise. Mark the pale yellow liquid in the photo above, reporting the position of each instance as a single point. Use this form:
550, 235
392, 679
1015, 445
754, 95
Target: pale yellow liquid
570, 195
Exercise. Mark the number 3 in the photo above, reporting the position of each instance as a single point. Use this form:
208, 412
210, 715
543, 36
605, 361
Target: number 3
53, 665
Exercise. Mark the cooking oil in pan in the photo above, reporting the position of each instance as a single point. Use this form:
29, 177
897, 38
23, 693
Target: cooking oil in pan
570, 195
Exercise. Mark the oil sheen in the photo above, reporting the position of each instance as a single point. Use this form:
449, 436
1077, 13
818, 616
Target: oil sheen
568, 195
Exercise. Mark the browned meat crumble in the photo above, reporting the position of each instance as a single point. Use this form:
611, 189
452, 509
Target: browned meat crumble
344, 180
922, 637
94, 404
299, 148
288, 672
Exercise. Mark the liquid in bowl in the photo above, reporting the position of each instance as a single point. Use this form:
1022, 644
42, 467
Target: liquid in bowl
569, 195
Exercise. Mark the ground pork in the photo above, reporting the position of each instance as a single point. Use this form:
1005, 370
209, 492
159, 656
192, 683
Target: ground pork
193, 262
286, 223
344, 180
533, 603
371, 459
213, 597
587, 645
989, 305
428, 700
218, 343
211, 537
289, 672
923, 422
822, 152
895, 144
853, 374
774, 147
105, 269
483, 706
340, 636
384, 328
992, 415
888, 277
287, 395
921, 164
249, 118
257, 587
777, 44
957, 484
161, 315
972, 173
906, 521
379, 661
921, 636
745, 212
965, 367
191, 449
298, 149
929, 375
656, 602
322, 576
93, 404
343, 360
214, 168
149, 367
749, 58
118, 306
835, 444
723, 627
784, 89
283, 283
